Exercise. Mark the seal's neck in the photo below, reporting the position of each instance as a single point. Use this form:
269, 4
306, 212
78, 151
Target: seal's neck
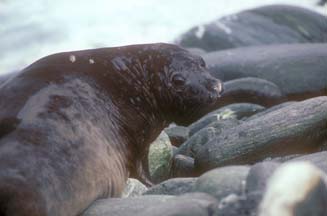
141, 116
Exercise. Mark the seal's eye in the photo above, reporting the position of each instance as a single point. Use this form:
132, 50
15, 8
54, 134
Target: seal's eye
178, 80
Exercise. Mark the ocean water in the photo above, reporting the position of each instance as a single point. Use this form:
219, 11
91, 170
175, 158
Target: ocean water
32, 29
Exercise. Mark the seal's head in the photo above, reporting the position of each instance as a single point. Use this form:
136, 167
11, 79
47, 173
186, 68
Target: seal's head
187, 90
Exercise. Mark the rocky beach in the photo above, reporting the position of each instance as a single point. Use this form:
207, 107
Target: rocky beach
263, 149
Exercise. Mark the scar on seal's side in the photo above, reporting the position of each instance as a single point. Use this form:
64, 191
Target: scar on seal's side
75, 125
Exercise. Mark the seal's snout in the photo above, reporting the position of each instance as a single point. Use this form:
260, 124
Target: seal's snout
219, 88
215, 86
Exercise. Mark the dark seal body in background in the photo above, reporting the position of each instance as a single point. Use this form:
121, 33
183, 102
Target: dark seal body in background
75, 125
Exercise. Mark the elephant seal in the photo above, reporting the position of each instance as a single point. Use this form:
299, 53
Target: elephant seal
75, 125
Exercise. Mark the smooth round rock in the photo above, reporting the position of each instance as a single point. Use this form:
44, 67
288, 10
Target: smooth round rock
251, 90
259, 175
194, 143
299, 70
273, 108
200, 138
275, 24
177, 134
174, 186
237, 205
295, 189
319, 159
192, 204
133, 188
295, 129
234, 111
183, 166
282, 159
124, 206
197, 51
160, 158
222, 181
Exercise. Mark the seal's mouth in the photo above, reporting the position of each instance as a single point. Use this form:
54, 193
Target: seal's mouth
217, 90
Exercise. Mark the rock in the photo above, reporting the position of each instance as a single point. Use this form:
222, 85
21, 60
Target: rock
299, 70
275, 24
223, 181
322, 2
259, 175
174, 186
193, 144
177, 134
251, 90
203, 122
124, 206
175, 149
183, 166
295, 129
237, 205
282, 159
133, 188
192, 204
319, 159
160, 158
197, 51
295, 189
246, 204
273, 108
196, 141
235, 111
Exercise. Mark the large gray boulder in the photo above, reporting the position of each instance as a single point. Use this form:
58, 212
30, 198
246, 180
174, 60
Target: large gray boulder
294, 129
299, 70
274, 24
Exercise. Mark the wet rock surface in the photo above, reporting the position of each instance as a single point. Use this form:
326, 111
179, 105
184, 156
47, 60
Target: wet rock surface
221, 182
252, 90
299, 70
177, 134
124, 206
191, 204
134, 188
160, 158
297, 128
296, 188
183, 166
174, 186
275, 24
231, 111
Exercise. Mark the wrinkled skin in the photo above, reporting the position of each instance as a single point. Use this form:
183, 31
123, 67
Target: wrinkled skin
75, 125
